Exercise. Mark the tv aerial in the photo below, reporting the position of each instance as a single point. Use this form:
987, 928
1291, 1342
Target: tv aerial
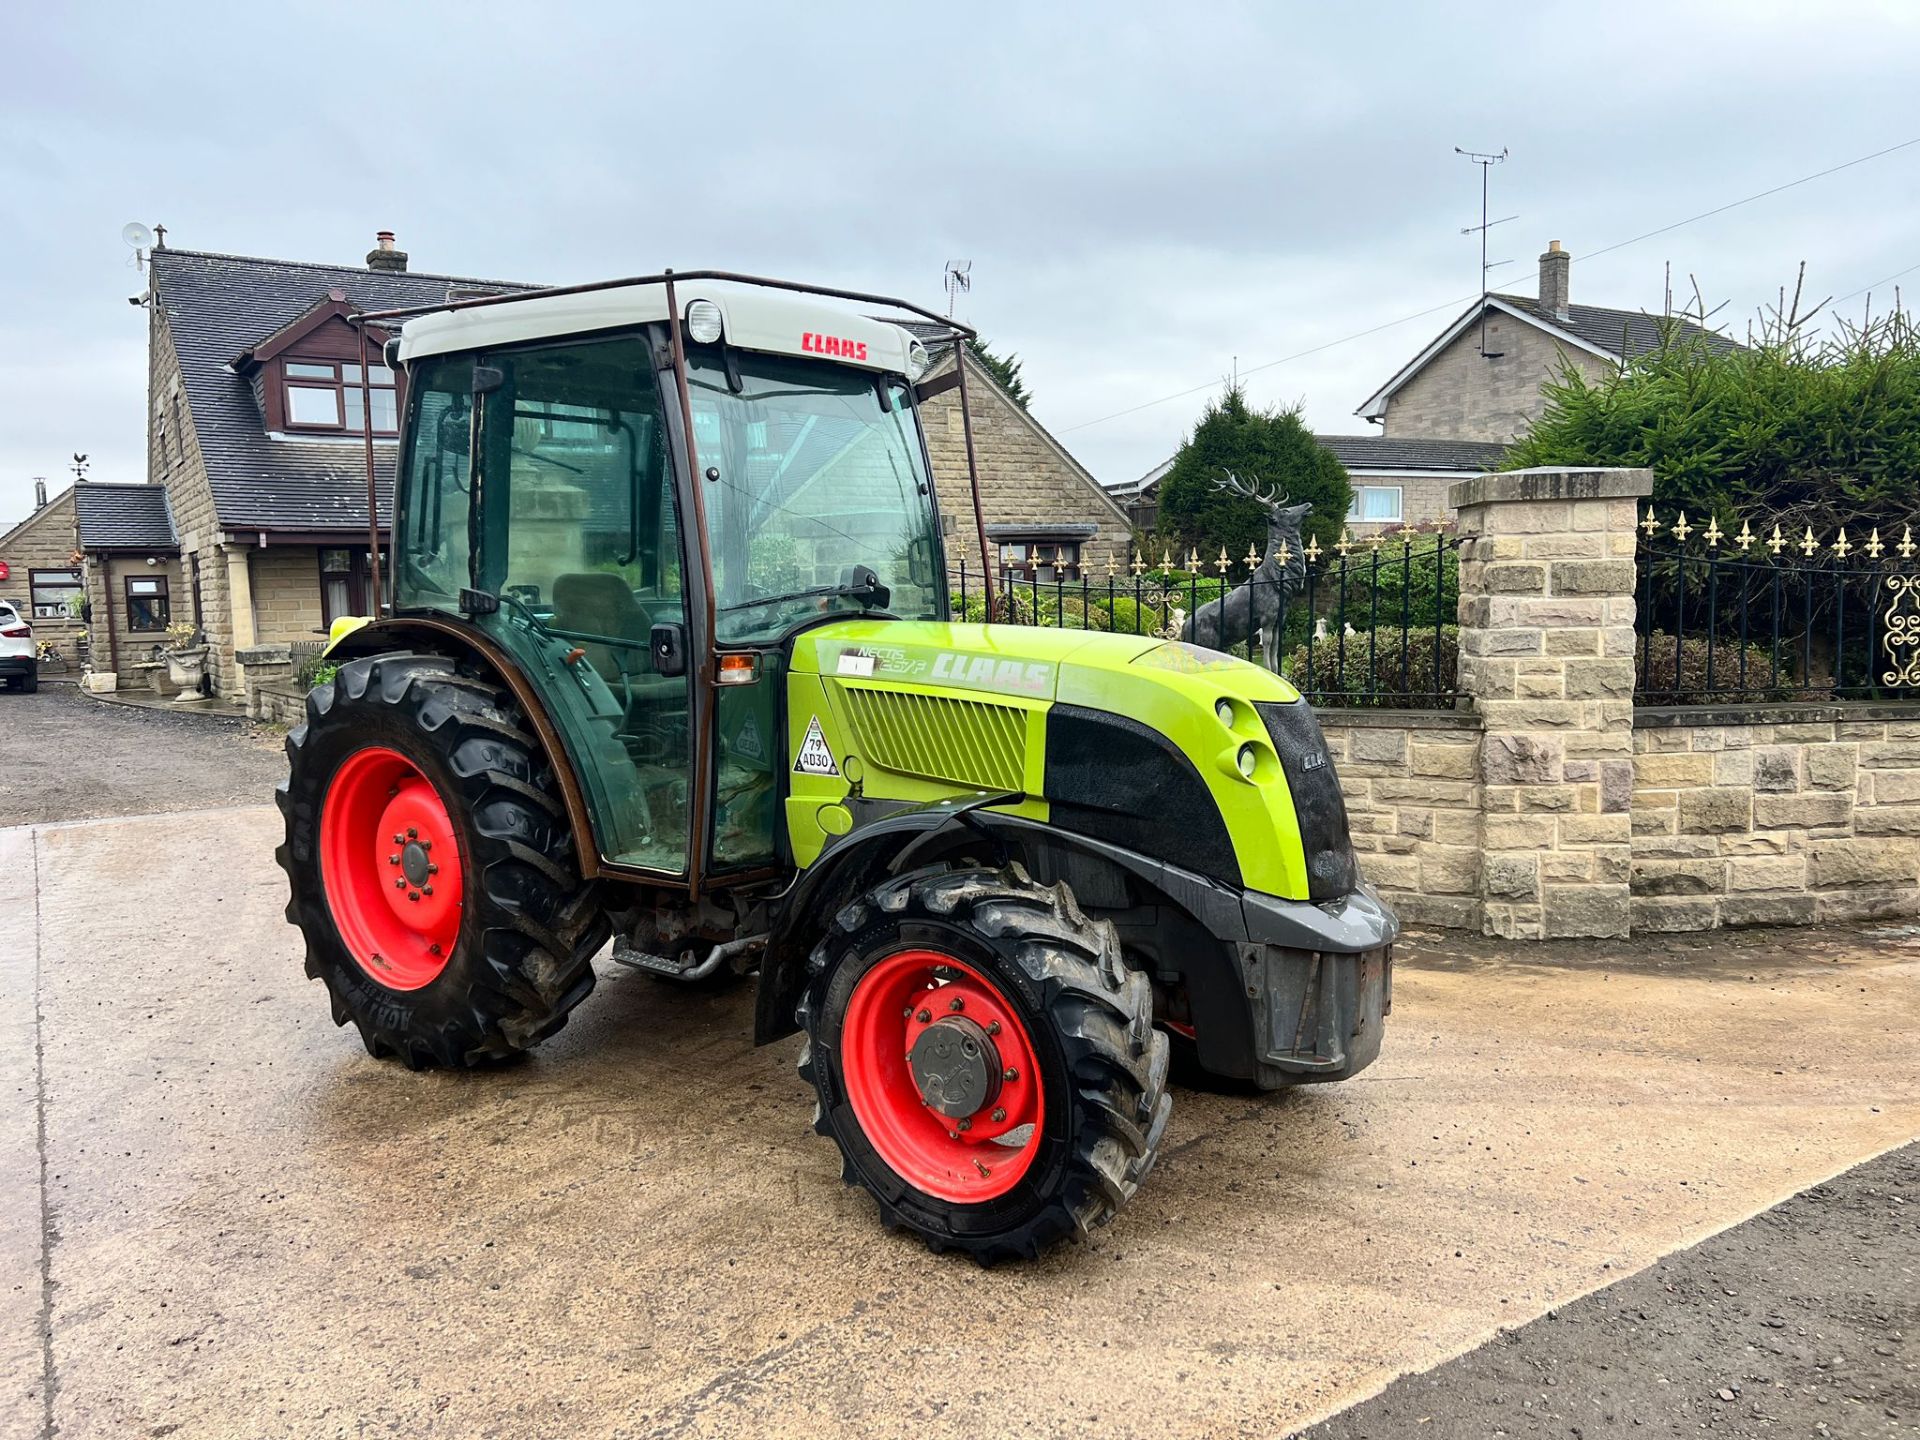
959, 281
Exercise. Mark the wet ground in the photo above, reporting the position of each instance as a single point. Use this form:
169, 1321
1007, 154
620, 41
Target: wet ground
218, 1217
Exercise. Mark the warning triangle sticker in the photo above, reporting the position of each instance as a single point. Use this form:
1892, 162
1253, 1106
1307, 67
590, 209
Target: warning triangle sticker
814, 757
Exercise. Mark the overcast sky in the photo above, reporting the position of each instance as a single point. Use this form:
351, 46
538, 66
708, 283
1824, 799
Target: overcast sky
1142, 198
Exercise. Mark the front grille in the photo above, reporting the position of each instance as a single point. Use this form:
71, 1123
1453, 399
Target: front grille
1332, 870
936, 737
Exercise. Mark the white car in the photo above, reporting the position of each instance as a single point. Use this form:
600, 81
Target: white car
19, 661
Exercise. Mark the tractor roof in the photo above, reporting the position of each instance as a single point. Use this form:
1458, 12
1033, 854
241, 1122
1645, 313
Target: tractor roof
754, 318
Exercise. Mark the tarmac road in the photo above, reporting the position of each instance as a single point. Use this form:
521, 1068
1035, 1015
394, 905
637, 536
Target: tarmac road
218, 1217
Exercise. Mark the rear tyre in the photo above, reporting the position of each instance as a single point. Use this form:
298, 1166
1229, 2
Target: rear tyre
431, 865
986, 1063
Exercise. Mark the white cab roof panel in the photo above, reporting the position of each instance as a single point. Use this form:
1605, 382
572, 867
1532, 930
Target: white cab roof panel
780, 322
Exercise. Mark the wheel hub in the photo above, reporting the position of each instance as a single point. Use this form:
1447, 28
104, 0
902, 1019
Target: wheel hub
955, 1066
413, 863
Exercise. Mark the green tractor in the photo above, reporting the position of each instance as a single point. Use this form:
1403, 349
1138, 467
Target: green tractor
668, 661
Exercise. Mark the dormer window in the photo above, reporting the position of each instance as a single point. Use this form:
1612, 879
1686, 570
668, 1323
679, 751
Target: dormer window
326, 395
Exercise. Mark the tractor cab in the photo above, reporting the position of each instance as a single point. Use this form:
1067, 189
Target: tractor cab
605, 527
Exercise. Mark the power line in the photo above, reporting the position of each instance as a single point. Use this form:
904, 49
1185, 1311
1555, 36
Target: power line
1450, 304
1875, 285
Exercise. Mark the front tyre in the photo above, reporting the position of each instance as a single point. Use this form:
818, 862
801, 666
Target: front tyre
986, 1063
431, 867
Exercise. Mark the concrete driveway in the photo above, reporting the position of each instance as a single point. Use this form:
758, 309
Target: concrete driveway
218, 1217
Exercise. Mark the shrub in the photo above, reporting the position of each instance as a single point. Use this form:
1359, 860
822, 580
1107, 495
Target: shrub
1343, 679
1656, 682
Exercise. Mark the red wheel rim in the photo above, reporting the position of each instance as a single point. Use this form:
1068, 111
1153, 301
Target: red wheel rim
390, 867
963, 1158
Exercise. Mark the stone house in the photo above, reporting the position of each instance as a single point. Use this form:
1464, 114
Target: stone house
132, 572
44, 572
1047, 517
1395, 482
1483, 377
254, 427
1450, 412
256, 431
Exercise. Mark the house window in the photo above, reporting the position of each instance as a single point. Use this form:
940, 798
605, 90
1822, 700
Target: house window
346, 577
1375, 505
50, 590
340, 585
148, 607
325, 395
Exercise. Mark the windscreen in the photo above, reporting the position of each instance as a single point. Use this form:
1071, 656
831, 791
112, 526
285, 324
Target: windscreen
807, 471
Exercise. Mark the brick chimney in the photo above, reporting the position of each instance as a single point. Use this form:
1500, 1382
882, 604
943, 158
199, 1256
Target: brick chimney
384, 257
1556, 266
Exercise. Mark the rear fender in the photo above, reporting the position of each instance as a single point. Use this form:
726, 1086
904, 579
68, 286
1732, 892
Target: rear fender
437, 636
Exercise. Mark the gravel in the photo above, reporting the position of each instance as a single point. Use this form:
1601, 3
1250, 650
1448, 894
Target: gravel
1803, 1321
68, 756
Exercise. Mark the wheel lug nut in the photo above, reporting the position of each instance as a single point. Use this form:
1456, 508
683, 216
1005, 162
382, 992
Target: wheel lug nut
399, 839
412, 834
924, 1016
993, 1027
999, 1114
433, 950
965, 1125
400, 884
956, 1004
1010, 1074
426, 889
426, 844
413, 895
433, 869
393, 859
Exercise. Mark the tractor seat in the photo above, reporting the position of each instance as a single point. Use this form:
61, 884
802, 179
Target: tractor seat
599, 603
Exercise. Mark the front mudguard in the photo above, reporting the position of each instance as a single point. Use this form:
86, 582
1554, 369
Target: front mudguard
1280, 992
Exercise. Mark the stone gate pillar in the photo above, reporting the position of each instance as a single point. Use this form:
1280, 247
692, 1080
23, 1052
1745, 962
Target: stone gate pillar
1547, 582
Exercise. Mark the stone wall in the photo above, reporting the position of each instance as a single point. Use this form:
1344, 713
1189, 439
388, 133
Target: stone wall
285, 581
1026, 477
1463, 395
122, 649
42, 541
1411, 783
1775, 815
174, 459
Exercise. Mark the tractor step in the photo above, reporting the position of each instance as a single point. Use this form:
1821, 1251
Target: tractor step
668, 967
694, 962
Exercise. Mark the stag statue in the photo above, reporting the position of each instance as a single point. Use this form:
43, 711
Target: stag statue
1258, 604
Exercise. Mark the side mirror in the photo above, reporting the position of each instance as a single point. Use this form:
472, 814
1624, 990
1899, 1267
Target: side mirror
669, 649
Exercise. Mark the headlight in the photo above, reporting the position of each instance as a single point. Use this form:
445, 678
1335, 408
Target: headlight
1248, 761
703, 322
1224, 709
917, 360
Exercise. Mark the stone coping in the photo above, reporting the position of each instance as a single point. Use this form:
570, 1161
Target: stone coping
1359, 719
1550, 484
1797, 712
269, 654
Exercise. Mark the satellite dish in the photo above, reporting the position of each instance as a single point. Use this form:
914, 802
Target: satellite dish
136, 235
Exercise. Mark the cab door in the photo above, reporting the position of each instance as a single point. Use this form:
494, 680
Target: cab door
570, 520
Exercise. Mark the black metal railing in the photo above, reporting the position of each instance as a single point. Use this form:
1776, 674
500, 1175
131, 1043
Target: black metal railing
1726, 618
1359, 623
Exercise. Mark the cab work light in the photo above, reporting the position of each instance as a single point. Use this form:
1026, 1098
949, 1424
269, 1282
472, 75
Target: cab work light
703, 322
737, 670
